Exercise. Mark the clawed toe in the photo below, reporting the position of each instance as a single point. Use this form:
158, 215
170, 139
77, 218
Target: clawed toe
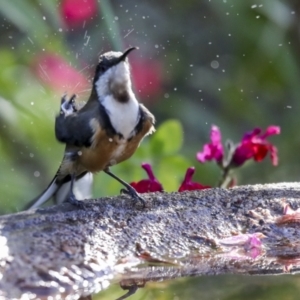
124, 191
134, 194
72, 200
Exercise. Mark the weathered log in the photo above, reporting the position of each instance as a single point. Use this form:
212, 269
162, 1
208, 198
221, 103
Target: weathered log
70, 253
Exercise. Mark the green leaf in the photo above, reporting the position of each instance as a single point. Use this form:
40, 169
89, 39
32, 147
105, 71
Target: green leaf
167, 139
171, 170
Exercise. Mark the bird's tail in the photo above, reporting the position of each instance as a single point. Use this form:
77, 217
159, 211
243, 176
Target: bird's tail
60, 190
52, 188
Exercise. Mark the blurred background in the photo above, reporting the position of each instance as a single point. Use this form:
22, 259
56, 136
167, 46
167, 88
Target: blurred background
231, 63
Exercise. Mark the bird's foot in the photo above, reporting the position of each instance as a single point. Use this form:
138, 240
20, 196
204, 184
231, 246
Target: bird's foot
134, 194
131, 291
72, 200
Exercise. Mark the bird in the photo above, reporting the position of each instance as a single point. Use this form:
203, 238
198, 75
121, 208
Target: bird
83, 185
105, 131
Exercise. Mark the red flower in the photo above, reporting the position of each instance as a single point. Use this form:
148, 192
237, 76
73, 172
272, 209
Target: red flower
254, 145
59, 75
147, 77
214, 149
75, 12
188, 185
147, 185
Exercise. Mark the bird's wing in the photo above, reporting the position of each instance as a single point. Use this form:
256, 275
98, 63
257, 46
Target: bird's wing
79, 129
146, 122
74, 129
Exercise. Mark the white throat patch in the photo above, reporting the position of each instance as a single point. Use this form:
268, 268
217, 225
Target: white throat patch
123, 116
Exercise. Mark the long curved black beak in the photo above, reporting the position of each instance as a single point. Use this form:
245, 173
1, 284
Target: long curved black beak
125, 54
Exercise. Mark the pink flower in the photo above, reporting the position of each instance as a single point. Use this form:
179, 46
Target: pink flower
254, 145
147, 77
251, 243
290, 215
214, 149
188, 185
147, 185
248, 240
59, 75
75, 12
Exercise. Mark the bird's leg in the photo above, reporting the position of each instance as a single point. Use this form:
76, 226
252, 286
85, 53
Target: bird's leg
131, 290
72, 199
129, 189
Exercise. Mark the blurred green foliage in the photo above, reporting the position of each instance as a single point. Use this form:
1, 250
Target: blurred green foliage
231, 63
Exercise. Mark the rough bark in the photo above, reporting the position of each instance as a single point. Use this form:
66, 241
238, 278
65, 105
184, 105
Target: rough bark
63, 251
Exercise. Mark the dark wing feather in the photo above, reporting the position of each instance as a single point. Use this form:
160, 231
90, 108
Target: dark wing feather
145, 115
74, 129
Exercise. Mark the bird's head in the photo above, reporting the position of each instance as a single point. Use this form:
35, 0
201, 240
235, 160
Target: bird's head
112, 75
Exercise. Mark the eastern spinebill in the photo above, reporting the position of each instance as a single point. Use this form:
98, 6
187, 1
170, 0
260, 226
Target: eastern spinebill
105, 131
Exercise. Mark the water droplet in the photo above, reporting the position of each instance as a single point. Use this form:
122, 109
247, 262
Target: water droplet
214, 64
36, 174
166, 95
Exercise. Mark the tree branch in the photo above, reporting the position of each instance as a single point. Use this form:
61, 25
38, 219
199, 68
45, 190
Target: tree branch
62, 251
